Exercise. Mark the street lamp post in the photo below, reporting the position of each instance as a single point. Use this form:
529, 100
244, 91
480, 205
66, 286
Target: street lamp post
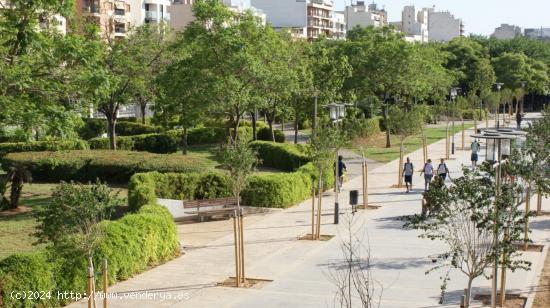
337, 112
519, 107
499, 86
453, 94
498, 147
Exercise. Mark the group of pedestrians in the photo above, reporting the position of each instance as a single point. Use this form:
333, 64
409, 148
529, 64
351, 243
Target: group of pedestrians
442, 171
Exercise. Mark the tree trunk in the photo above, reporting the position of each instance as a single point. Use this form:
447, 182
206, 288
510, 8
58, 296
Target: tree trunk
143, 107
386, 118
254, 131
184, 144
314, 122
468, 292
236, 127
270, 119
282, 123
16, 189
111, 130
296, 119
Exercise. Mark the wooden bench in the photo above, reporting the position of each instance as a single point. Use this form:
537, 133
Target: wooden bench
215, 207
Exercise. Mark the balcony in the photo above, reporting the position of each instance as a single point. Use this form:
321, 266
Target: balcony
91, 11
154, 16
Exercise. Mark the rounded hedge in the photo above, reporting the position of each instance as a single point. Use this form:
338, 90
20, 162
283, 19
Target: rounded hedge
109, 166
287, 157
126, 128
265, 134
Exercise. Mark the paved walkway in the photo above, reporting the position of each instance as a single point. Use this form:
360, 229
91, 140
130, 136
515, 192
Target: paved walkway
300, 269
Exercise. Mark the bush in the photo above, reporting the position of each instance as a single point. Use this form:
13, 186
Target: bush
93, 128
277, 190
126, 128
122, 143
36, 146
364, 128
109, 166
287, 157
468, 114
265, 134
144, 188
304, 123
131, 245
205, 135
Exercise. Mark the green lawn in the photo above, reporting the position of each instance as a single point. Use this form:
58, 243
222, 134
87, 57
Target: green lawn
375, 147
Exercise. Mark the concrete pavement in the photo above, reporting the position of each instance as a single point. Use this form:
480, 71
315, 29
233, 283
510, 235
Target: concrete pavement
300, 270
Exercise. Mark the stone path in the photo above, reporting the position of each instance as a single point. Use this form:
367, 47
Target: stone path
300, 269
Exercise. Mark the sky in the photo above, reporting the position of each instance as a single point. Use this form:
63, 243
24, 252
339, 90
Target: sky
479, 16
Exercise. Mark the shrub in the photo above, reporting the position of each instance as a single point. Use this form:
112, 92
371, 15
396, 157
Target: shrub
109, 166
93, 128
276, 190
265, 134
144, 188
287, 157
364, 128
126, 128
131, 245
36, 146
468, 114
304, 123
205, 135
122, 143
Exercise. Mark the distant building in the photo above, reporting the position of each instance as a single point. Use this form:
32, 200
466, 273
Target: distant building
306, 18
339, 25
112, 17
443, 26
538, 33
149, 12
181, 12
55, 22
506, 31
361, 15
415, 26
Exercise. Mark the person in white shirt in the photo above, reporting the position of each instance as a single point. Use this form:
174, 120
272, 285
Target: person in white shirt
408, 170
428, 172
442, 170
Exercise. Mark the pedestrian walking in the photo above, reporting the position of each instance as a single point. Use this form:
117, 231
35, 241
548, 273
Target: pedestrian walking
428, 172
519, 118
341, 169
475, 150
442, 170
408, 170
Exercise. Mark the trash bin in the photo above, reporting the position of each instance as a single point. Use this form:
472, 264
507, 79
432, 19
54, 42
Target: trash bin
353, 197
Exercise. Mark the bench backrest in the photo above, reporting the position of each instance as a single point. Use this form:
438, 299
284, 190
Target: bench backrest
228, 201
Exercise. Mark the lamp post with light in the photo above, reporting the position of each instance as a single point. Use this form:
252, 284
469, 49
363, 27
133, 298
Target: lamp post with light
337, 112
499, 87
453, 95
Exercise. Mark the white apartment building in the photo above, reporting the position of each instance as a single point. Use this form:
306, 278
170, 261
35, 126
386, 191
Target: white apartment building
181, 12
538, 33
149, 11
415, 26
506, 31
362, 15
306, 18
339, 25
443, 26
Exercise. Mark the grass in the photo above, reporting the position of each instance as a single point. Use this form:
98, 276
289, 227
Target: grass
375, 147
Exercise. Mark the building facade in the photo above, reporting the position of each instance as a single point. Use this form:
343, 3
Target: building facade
362, 15
306, 18
111, 16
339, 25
443, 26
506, 31
149, 12
538, 33
415, 26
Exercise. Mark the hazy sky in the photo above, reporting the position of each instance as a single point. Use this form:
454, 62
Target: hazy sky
479, 16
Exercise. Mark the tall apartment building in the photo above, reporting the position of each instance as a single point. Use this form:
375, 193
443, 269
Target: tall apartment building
538, 33
306, 18
339, 25
415, 26
362, 15
181, 12
149, 11
506, 31
443, 26
112, 16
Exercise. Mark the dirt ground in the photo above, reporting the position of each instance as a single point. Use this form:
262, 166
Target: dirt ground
542, 299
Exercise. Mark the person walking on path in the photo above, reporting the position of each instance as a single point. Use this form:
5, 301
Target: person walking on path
428, 172
442, 170
408, 170
475, 150
519, 118
341, 169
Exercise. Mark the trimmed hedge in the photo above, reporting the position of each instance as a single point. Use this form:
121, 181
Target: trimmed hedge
37, 146
265, 134
93, 127
109, 166
279, 190
144, 188
126, 128
131, 245
168, 142
287, 157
